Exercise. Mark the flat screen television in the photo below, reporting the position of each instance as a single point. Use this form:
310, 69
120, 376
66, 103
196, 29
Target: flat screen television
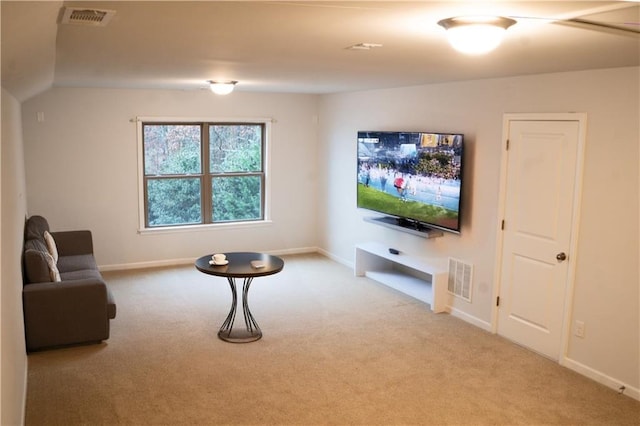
414, 177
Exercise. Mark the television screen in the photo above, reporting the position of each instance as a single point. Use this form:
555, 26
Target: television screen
414, 176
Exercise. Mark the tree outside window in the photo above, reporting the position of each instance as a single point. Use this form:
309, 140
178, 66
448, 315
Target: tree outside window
197, 173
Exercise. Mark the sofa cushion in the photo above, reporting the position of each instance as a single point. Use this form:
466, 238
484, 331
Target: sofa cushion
35, 267
51, 245
78, 262
35, 262
81, 274
40, 267
35, 227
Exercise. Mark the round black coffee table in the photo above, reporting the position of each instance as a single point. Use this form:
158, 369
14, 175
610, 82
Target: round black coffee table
241, 265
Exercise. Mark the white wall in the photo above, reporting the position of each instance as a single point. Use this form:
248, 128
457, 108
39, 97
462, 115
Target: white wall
13, 356
82, 169
607, 281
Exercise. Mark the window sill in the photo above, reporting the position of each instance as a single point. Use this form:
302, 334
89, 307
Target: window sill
204, 227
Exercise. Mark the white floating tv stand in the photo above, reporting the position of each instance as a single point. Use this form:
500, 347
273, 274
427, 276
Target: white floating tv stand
422, 278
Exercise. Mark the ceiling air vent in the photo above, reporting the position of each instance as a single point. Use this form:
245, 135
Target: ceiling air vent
93, 17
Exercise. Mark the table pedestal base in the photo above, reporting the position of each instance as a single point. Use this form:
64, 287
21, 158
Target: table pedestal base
239, 336
251, 331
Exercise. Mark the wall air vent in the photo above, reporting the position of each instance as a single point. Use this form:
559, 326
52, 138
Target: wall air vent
460, 279
92, 17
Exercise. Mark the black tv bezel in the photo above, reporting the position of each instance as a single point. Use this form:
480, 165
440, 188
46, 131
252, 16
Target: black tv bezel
409, 222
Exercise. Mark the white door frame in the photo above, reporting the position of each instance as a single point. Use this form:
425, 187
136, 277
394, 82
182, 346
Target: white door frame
581, 118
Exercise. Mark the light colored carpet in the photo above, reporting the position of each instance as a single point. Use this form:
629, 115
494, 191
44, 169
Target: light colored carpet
337, 349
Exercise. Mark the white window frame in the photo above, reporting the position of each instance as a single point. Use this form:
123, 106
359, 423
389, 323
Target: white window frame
143, 229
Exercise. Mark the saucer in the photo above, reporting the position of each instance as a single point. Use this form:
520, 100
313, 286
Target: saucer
214, 263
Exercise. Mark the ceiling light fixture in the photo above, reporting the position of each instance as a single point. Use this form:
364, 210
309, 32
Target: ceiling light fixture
475, 35
222, 87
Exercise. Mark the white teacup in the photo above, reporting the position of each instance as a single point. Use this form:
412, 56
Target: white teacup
219, 258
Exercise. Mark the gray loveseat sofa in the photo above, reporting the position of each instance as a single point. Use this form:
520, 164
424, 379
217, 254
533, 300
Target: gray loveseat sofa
65, 301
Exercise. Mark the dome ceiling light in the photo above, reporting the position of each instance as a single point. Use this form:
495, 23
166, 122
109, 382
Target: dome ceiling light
476, 35
222, 87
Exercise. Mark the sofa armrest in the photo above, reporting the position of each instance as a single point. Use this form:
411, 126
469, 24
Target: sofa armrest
72, 243
67, 312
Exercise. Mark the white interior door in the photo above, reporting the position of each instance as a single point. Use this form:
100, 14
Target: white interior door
536, 238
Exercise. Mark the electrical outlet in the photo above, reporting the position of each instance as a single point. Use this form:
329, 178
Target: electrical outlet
579, 330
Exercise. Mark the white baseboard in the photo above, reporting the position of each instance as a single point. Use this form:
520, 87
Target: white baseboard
144, 265
601, 378
299, 250
188, 261
335, 258
469, 318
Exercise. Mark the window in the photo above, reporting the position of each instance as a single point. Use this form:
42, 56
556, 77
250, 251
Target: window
202, 173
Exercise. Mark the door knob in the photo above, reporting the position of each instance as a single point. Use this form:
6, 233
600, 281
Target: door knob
561, 257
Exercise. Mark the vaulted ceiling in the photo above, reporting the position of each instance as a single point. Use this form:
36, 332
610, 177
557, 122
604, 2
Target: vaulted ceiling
301, 46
